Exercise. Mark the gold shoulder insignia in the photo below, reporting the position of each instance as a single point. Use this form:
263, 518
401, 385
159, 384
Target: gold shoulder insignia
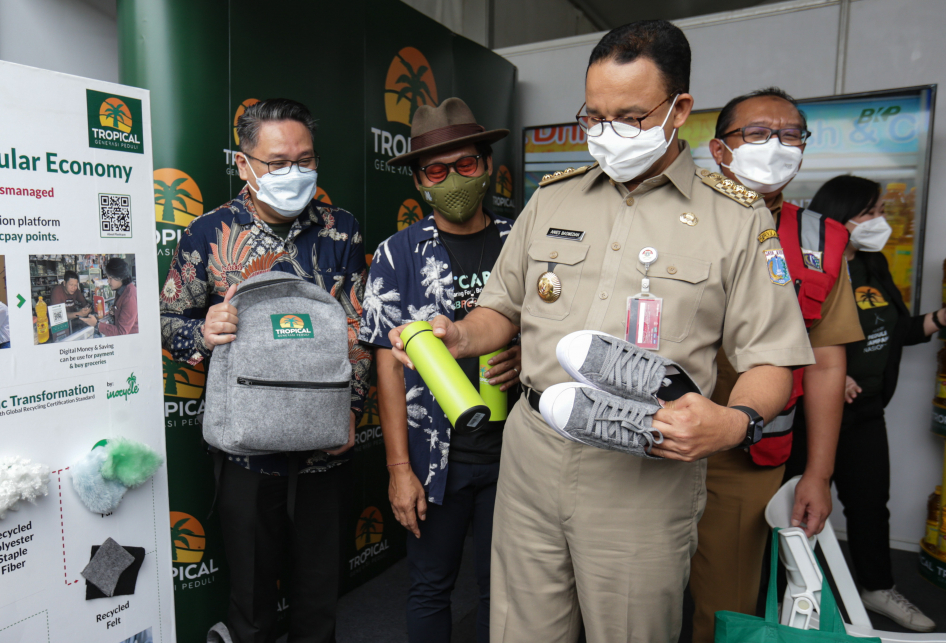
564, 174
733, 189
765, 235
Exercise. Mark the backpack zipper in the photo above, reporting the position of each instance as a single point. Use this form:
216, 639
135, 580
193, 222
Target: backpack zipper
264, 284
246, 381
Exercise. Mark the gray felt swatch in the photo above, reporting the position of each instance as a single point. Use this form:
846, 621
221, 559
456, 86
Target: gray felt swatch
107, 565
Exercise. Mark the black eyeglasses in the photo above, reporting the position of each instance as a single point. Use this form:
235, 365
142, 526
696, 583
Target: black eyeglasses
625, 127
755, 135
307, 164
464, 166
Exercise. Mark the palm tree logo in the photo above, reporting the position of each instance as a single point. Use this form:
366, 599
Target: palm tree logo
370, 528
182, 380
291, 321
177, 199
868, 297
115, 114
408, 85
370, 416
504, 182
187, 538
408, 213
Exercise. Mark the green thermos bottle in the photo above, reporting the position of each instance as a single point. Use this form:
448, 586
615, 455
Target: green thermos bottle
496, 399
443, 376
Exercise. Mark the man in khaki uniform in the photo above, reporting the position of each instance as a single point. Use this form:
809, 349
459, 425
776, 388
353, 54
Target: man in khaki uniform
583, 535
755, 132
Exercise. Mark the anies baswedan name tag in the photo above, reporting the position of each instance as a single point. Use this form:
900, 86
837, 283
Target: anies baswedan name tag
571, 235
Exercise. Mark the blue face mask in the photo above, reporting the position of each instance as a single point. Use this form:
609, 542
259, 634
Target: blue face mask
287, 194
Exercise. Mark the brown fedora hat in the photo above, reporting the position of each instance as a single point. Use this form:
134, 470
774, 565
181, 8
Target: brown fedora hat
445, 127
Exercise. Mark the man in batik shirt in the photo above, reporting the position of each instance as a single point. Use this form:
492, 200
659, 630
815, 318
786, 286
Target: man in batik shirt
272, 225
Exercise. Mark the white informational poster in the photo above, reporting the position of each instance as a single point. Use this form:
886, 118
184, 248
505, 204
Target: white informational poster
80, 368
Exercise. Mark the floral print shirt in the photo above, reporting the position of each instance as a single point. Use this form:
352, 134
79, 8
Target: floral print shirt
419, 288
230, 244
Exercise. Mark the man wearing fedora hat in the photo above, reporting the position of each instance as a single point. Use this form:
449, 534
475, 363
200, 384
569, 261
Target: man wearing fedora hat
439, 483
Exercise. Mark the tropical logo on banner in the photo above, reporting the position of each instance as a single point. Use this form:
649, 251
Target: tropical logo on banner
408, 85
239, 112
322, 195
114, 122
177, 199
188, 541
181, 379
504, 182
370, 416
502, 200
370, 528
409, 212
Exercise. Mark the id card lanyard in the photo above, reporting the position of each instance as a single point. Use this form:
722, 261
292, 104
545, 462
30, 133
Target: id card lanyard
643, 309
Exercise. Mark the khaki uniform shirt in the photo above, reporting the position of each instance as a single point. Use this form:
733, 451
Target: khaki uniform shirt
713, 276
839, 324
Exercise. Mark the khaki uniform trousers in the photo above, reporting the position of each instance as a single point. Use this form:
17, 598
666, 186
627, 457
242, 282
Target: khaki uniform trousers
583, 534
727, 567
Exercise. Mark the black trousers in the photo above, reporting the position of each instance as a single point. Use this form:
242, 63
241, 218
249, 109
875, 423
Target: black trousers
862, 478
257, 533
434, 559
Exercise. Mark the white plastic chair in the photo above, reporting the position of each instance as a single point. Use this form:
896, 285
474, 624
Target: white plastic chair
804, 577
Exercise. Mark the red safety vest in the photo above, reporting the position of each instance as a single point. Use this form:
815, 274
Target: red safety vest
814, 247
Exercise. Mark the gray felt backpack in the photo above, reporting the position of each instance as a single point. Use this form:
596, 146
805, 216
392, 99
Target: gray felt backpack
284, 383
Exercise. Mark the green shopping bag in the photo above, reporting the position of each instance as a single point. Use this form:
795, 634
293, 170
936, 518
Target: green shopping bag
732, 627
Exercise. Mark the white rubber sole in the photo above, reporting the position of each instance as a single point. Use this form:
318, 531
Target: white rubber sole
551, 407
561, 352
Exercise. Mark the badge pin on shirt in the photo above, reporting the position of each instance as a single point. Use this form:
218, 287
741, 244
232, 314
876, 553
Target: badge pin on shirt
644, 310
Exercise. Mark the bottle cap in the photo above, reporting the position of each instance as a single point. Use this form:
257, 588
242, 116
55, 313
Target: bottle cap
413, 329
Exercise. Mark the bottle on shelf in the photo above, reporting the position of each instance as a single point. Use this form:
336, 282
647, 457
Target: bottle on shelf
933, 517
42, 322
99, 302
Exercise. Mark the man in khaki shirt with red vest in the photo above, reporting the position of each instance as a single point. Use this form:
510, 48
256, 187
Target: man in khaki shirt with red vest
760, 138
594, 537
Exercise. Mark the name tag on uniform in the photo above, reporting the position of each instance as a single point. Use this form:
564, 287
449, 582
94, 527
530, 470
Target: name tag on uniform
570, 235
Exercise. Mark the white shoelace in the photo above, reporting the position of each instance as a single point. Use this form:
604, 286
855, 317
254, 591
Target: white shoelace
902, 601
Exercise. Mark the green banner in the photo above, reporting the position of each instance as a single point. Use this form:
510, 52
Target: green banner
362, 68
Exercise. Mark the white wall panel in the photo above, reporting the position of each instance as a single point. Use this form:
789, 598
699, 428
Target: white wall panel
71, 36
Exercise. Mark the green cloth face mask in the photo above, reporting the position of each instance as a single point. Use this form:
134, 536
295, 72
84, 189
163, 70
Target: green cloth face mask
457, 197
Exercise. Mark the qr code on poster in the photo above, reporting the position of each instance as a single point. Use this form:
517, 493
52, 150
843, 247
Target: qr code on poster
115, 215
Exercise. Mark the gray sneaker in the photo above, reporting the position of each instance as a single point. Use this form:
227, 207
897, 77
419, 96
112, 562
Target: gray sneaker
620, 368
897, 608
595, 418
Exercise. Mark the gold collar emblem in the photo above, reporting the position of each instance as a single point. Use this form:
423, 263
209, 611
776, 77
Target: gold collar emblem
549, 287
689, 218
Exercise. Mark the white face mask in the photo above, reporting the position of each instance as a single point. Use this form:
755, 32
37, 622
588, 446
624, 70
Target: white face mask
871, 235
288, 194
624, 159
765, 168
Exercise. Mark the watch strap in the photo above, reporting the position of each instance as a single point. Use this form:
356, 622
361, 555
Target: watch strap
936, 321
756, 423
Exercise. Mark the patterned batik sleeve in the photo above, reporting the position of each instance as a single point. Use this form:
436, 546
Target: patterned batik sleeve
382, 302
360, 357
184, 302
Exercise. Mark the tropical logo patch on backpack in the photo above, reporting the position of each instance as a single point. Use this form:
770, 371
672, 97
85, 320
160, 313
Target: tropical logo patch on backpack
292, 326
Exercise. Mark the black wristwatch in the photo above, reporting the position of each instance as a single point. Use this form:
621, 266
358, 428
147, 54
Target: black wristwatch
936, 320
754, 430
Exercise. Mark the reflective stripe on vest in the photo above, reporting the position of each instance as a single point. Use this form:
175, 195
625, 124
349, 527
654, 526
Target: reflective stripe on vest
814, 247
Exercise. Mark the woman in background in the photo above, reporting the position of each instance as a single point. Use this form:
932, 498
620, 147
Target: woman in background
862, 466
